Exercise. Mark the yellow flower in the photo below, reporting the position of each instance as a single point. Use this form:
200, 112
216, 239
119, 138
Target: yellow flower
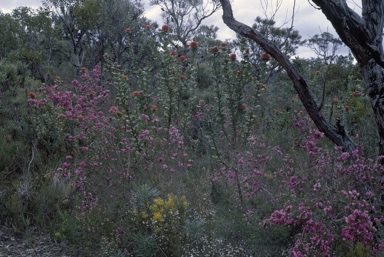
170, 204
144, 215
184, 202
156, 229
157, 216
158, 202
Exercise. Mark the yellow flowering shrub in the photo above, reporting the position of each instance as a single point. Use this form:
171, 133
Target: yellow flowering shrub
157, 217
168, 210
166, 219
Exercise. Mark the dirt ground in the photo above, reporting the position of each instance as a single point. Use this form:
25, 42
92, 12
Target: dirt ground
32, 243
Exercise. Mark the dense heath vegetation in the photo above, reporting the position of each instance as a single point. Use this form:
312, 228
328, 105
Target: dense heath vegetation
126, 138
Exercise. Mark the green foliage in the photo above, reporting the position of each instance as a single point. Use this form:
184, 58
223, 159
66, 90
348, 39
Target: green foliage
145, 194
27, 56
49, 201
146, 245
164, 150
8, 34
360, 250
14, 127
67, 227
265, 69
86, 13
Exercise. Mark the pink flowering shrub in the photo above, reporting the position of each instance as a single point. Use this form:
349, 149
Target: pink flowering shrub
86, 128
329, 200
333, 202
108, 147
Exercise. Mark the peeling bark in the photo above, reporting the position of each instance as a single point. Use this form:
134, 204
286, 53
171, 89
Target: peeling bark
335, 134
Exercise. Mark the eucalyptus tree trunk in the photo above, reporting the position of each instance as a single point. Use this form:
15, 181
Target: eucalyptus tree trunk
374, 79
364, 36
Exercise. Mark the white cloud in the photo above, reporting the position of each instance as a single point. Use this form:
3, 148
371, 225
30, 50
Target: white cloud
308, 20
7, 6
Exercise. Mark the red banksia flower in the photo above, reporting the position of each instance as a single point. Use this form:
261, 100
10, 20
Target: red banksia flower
317, 72
239, 73
165, 28
183, 58
347, 107
335, 100
356, 92
182, 77
154, 108
265, 56
193, 45
148, 26
173, 53
223, 45
83, 69
31, 95
214, 49
242, 107
128, 30
135, 93
246, 52
232, 56
114, 110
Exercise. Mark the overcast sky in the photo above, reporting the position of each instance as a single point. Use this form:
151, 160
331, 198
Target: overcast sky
308, 20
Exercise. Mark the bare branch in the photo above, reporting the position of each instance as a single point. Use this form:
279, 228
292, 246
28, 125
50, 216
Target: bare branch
186, 16
299, 82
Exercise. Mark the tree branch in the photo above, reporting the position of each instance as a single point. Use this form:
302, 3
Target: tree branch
299, 82
363, 35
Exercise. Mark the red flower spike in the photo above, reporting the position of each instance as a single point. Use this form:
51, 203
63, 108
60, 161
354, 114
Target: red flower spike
165, 28
242, 107
193, 45
214, 49
31, 95
265, 56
